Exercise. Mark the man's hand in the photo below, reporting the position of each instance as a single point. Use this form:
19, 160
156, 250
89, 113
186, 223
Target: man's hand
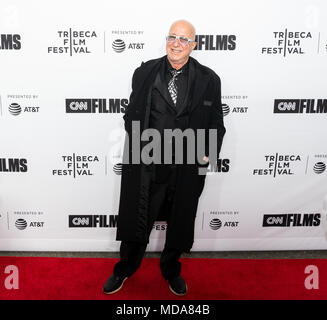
206, 159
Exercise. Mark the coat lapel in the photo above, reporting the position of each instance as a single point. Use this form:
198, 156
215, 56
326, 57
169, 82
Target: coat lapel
197, 84
200, 82
189, 91
160, 84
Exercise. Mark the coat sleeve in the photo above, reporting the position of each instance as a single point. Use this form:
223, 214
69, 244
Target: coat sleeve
216, 114
132, 95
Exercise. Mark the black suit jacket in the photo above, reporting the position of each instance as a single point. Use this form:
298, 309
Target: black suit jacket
204, 111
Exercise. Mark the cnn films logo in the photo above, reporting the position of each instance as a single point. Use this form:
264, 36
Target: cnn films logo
289, 43
77, 165
10, 42
22, 103
234, 104
13, 165
73, 42
292, 220
114, 105
126, 40
278, 164
92, 221
300, 106
221, 166
215, 42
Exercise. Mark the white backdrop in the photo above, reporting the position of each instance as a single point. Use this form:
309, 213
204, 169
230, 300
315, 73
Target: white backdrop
59, 186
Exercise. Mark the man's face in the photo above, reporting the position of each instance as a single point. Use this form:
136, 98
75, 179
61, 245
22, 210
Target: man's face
177, 53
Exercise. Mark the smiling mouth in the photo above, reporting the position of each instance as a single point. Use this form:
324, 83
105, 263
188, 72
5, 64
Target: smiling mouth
176, 51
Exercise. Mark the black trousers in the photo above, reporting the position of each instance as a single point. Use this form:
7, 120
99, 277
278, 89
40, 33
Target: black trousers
162, 192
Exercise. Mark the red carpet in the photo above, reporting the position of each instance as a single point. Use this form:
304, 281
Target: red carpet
207, 279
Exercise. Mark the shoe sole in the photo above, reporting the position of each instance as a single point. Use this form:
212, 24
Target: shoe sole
111, 292
178, 294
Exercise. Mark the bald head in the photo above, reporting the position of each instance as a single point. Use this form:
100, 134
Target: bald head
178, 52
183, 26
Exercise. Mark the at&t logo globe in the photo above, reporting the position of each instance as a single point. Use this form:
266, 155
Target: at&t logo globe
15, 109
119, 45
319, 167
21, 224
215, 224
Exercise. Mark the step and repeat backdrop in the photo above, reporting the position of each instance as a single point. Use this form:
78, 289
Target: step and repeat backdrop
65, 81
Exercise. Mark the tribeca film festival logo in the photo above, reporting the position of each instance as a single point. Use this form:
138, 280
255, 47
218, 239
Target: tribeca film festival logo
289, 43
126, 40
92, 221
77, 165
13, 165
300, 106
278, 164
112, 105
215, 42
10, 42
292, 220
73, 42
234, 104
159, 226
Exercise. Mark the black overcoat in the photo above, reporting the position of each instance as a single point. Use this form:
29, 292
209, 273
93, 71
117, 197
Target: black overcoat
204, 112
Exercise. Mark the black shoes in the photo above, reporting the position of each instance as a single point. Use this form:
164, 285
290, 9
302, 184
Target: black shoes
113, 284
178, 286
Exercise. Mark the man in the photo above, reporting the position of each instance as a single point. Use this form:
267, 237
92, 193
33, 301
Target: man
172, 92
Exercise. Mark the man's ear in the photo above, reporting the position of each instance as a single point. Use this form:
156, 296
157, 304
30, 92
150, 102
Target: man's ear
194, 45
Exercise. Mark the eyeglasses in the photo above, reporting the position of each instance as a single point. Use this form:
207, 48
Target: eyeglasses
182, 40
